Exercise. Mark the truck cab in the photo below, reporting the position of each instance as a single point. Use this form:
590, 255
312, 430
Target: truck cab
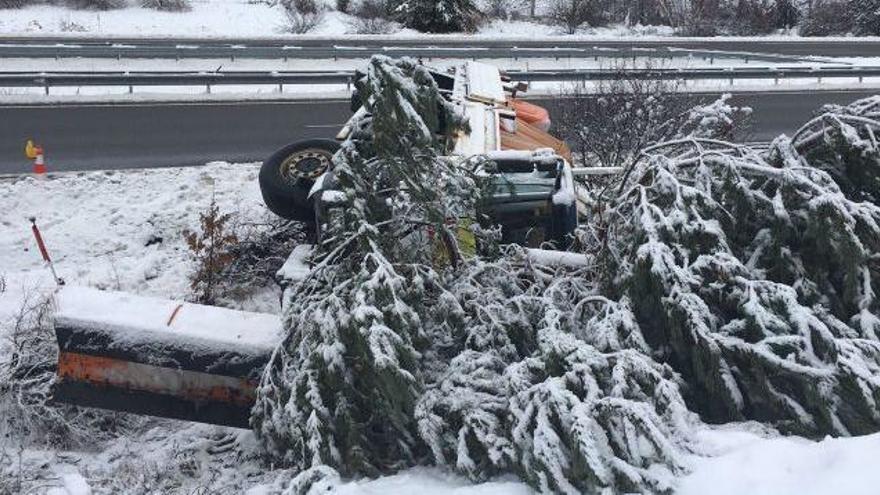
533, 198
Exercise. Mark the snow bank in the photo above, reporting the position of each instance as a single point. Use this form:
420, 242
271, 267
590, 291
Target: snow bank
749, 463
210, 18
121, 231
74, 484
243, 18
430, 482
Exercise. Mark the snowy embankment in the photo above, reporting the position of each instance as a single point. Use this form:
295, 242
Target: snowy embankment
243, 18
124, 230
256, 19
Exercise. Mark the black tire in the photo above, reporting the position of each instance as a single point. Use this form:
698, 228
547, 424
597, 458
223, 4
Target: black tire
285, 186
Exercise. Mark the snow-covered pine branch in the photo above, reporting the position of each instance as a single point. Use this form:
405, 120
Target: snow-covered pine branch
341, 388
551, 383
754, 280
845, 142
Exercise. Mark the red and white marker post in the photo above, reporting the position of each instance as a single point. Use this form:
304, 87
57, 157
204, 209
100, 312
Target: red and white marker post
43, 251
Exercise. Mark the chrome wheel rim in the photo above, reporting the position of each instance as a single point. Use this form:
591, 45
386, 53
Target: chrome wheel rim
306, 164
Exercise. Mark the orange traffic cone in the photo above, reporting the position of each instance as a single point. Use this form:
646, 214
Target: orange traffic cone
39, 162
35, 153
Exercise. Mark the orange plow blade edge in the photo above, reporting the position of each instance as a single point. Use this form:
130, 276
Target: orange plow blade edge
156, 357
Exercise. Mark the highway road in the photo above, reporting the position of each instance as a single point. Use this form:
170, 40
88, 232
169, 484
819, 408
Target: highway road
316, 47
147, 135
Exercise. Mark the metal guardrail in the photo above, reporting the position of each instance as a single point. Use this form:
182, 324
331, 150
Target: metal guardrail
131, 79
332, 49
706, 73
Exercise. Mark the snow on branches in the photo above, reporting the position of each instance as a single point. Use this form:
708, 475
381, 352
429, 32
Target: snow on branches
529, 392
755, 280
719, 281
341, 388
486, 366
845, 142
438, 16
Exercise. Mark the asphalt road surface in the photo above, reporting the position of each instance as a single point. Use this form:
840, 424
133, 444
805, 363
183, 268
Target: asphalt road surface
147, 135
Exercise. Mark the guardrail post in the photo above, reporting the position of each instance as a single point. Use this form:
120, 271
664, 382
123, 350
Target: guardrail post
860, 79
46, 86
281, 87
130, 89
348, 84
208, 86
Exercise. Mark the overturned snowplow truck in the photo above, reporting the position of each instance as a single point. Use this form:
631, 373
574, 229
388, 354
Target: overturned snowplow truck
199, 363
531, 167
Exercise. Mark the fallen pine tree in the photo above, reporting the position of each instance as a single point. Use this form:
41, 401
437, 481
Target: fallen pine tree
719, 284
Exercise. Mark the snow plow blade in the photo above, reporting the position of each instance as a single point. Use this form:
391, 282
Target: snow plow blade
157, 357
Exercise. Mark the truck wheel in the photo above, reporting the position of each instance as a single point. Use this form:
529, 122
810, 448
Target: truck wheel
287, 176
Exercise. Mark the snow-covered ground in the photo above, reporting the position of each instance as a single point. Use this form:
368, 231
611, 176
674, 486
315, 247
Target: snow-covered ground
240, 18
124, 230
235, 18
210, 18
121, 230
748, 460
265, 19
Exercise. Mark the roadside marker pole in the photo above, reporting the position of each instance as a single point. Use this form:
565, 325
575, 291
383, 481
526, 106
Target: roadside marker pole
43, 251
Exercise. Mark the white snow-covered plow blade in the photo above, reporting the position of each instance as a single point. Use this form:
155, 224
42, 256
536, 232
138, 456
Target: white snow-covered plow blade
161, 358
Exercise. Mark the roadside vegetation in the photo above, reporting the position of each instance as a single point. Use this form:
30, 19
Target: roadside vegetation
717, 284
684, 17
588, 116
